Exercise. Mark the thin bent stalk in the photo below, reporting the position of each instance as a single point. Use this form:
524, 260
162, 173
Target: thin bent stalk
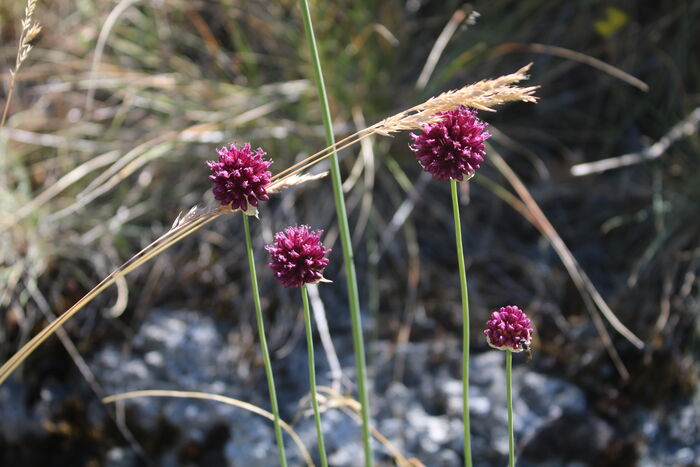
312, 376
216, 398
585, 286
263, 342
170, 238
465, 326
351, 408
346, 242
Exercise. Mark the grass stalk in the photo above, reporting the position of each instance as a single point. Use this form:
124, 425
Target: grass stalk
312, 376
155, 248
263, 343
509, 396
353, 296
216, 398
465, 326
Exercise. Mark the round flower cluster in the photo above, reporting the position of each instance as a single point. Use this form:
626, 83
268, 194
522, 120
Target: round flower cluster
240, 176
298, 256
509, 329
453, 147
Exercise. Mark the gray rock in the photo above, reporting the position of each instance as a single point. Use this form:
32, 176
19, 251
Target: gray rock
185, 350
671, 436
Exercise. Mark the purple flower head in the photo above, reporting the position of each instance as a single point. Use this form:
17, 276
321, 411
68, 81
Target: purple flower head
453, 147
240, 176
298, 256
509, 329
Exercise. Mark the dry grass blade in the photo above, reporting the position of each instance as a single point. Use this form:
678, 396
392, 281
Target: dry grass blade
586, 288
581, 58
686, 127
294, 180
523, 210
61, 184
168, 239
466, 12
182, 227
216, 398
109, 23
49, 140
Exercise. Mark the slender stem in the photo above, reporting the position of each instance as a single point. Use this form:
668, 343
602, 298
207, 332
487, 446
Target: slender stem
263, 343
312, 376
311, 161
353, 296
217, 398
465, 327
509, 395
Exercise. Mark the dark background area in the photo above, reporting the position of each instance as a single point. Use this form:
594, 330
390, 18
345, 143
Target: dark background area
175, 80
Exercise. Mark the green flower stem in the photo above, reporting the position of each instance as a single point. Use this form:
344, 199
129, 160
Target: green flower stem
509, 396
465, 326
263, 343
346, 243
312, 376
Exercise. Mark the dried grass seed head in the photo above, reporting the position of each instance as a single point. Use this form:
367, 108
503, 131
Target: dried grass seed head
483, 95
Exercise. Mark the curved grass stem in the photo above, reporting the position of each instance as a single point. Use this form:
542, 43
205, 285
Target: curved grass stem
155, 248
345, 240
263, 342
312, 376
465, 325
216, 398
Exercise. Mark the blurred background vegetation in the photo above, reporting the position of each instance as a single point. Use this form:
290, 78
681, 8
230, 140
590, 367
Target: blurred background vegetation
120, 103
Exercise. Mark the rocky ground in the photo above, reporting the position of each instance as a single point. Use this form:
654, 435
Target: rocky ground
419, 411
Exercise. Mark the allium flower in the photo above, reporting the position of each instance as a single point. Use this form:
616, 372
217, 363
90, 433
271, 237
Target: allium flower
509, 329
240, 176
298, 256
453, 147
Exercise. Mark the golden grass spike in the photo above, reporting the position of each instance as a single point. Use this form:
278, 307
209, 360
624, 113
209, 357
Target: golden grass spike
482, 95
294, 180
216, 398
30, 30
